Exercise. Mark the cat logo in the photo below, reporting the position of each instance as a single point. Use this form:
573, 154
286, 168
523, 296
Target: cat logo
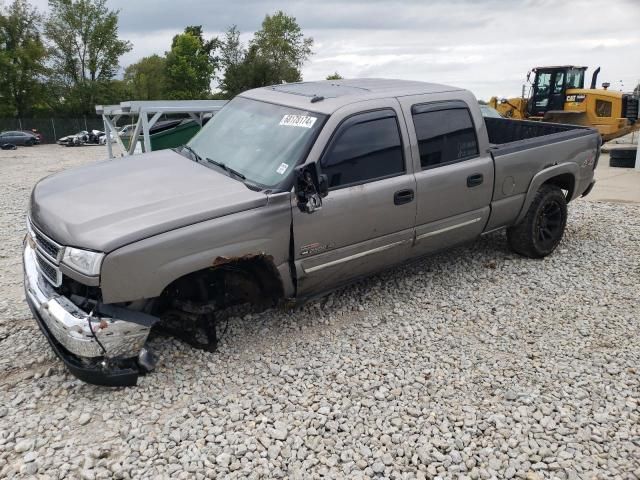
576, 98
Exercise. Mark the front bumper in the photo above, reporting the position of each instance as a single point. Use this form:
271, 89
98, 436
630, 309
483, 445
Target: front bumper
97, 349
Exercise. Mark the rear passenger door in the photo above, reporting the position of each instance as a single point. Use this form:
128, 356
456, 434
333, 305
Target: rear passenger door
366, 222
454, 172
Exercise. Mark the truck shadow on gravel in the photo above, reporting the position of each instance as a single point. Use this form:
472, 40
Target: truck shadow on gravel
250, 332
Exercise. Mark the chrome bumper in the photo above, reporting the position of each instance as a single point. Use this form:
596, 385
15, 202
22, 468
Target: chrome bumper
78, 332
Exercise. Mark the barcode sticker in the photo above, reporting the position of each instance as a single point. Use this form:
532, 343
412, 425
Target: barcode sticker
303, 121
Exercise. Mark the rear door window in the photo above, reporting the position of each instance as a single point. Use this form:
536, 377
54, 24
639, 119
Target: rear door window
445, 135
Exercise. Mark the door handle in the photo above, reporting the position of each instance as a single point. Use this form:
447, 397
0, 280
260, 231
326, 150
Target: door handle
403, 196
474, 180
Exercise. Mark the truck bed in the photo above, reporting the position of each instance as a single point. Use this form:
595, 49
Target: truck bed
508, 136
523, 149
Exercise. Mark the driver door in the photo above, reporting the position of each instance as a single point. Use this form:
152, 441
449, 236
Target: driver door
367, 220
556, 102
541, 94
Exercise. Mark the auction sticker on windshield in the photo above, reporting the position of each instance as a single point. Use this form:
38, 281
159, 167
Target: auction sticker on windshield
303, 121
282, 168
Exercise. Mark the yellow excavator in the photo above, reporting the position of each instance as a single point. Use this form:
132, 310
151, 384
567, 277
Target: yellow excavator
557, 95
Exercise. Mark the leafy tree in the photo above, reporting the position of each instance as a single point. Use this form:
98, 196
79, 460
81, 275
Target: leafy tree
231, 49
191, 64
275, 54
146, 79
334, 76
232, 54
85, 50
22, 56
281, 43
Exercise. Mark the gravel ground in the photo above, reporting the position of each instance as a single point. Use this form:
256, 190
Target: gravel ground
475, 363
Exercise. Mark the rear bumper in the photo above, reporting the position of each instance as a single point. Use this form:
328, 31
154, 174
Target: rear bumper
98, 350
589, 188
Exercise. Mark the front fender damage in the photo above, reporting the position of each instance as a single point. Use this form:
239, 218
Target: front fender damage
100, 344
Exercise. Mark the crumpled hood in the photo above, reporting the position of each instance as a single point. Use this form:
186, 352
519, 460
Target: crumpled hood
111, 203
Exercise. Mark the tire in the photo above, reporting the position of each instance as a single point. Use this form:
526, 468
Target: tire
31, 143
542, 228
623, 157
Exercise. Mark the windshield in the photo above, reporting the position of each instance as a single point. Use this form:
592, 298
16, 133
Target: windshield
261, 141
575, 78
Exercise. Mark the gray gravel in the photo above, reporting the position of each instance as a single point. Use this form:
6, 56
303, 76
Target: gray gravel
475, 363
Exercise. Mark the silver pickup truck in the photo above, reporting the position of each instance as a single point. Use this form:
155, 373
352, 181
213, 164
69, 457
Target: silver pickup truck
288, 192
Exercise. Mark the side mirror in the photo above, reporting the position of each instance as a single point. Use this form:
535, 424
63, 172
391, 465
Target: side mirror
529, 76
311, 187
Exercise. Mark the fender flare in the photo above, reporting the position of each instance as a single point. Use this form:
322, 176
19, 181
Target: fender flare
543, 176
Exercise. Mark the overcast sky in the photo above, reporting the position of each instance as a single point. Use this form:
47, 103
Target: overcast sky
486, 46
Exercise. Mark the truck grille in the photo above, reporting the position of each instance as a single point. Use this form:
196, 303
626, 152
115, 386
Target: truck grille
46, 245
48, 256
48, 270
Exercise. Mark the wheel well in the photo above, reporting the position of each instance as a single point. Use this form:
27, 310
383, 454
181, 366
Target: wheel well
251, 278
566, 181
261, 268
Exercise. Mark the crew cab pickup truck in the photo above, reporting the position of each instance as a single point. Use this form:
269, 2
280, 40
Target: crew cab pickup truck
288, 192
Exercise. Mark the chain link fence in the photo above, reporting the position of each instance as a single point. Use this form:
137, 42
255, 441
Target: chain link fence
52, 128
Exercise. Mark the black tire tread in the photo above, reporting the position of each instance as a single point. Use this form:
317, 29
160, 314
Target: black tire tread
520, 236
624, 152
622, 158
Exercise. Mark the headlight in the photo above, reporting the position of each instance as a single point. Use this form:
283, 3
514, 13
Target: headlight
82, 260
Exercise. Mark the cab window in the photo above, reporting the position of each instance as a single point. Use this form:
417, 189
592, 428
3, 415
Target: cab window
559, 83
366, 147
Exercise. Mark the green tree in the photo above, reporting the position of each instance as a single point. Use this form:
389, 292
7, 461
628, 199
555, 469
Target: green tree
231, 49
191, 64
281, 43
85, 50
275, 54
22, 56
334, 76
146, 79
232, 54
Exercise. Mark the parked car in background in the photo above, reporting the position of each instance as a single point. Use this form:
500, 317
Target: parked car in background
37, 134
74, 140
17, 137
95, 137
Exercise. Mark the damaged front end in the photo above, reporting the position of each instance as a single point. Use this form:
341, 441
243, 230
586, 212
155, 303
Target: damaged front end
100, 344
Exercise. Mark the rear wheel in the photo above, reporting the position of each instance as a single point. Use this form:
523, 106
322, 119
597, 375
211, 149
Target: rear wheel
541, 230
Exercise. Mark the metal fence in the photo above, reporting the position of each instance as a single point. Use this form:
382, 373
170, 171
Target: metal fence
52, 128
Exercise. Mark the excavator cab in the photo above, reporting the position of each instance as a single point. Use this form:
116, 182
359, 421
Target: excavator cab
558, 95
549, 87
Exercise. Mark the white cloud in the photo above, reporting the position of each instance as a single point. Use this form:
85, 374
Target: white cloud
486, 46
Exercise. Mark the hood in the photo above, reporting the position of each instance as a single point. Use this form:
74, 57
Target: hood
111, 203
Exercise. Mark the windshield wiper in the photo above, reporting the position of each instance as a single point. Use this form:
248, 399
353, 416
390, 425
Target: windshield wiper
226, 168
192, 152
